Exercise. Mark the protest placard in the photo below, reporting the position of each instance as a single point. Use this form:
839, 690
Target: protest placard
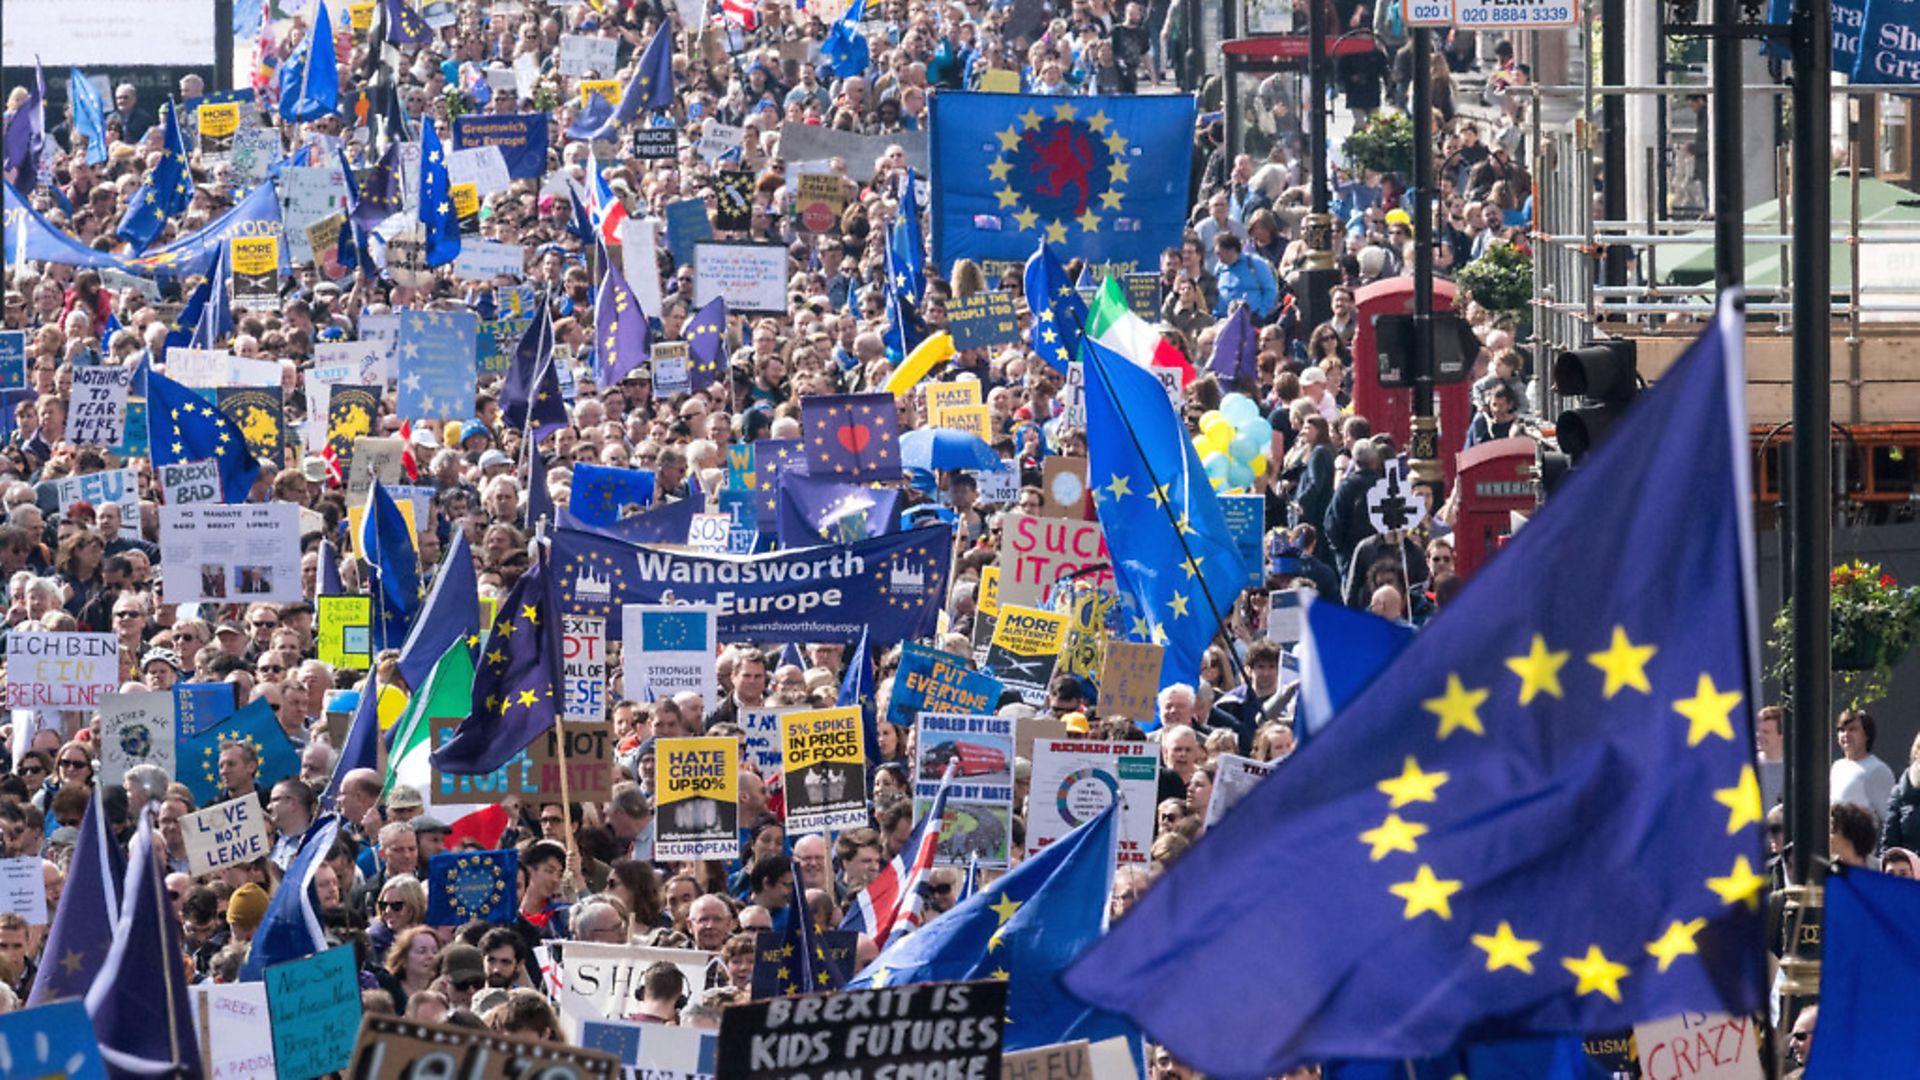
599, 981
1247, 521
256, 272
23, 889
1286, 615
983, 320
309, 194
236, 1036
390, 1048
975, 420
653, 143
230, 554
1026, 643
314, 1007
606, 88
118, 486
708, 533
485, 260
698, 786
825, 767
687, 225
822, 142
60, 670
135, 727
217, 124
1130, 679
717, 141
582, 54
374, 458
188, 482
752, 277
667, 650
1109, 1059
97, 410
1699, 1046
980, 801
473, 886
13, 359
1234, 779
466, 203
1063, 487
534, 773
199, 707
1035, 552
805, 1038
1075, 779
822, 197
653, 1051
640, 262
947, 395
929, 680
258, 413
999, 486
485, 167
344, 637
225, 834
254, 153
583, 662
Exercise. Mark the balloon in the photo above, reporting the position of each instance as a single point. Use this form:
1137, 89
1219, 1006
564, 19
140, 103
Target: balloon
1261, 431
1217, 465
1214, 442
1262, 464
1213, 418
1239, 475
1239, 409
1245, 448
926, 356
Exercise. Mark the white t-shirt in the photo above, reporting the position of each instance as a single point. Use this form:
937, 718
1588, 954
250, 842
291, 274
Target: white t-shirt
1867, 782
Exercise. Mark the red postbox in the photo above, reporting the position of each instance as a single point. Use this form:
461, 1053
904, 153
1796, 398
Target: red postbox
1496, 479
1390, 409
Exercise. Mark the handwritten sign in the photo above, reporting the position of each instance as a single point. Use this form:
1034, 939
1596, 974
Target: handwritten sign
345, 635
23, 889
1037, 551
1130, 679
189, 482
314, 1006
753, 277
134, 728
581, 54
225, 835
1698, 1046
47, 670
583, 663
98, 413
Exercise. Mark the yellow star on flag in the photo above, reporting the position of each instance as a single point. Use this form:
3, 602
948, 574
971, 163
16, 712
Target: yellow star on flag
1742, 801
1119, 486
1393, 834
1088, 221
1026, 219
1740, 884
999, 170
1056, 233
1064, 112
1623, 663
1426, 893
1007, 197
528, 697
1030, 119
1179, 605
1412, 785
1458, 708
1504, 949
1597, 974
1009, 139
1539, 670
1676, 942
1005, 908
1708, 710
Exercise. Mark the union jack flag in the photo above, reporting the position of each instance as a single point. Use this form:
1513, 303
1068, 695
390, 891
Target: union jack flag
892, 899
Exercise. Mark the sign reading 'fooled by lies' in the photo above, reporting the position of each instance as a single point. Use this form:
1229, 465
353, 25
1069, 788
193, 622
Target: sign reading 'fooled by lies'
48, 670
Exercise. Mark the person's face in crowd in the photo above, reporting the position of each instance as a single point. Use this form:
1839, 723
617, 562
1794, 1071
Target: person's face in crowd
740, 968
1800, 1042
1177, 710
1852, 737
422, 956
326, 886
544, 879
1199, 790
1767, 736
1342, 302
13, 948
1183, 751
401, 852
1265, 673
503, 966
198, 932
750, 681
710, 923
553, 822
17, 839
680, 896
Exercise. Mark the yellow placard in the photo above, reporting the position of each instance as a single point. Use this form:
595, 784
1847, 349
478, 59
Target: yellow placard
256, 255
466, 199
220, 120
988, 602
360, 15
1000, 81
815, 736
973, 419
344, 637
355, 513
606, 88
825, 769
697, 782
948, 395
1024, 631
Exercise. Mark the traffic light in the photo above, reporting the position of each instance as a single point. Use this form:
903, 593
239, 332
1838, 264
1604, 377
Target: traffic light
1605, 379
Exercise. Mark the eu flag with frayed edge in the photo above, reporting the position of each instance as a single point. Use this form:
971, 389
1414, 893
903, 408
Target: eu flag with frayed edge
1871, 964
1092, 172
1172, 551
165, 194
89, 900
294, 925
1059, 312
386, 543
516, 688
1024, 929
183, 427
1542, 819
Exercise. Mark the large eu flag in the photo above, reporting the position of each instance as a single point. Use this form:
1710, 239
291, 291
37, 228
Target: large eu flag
1090, 173
516, 690
183, 427
1542, 818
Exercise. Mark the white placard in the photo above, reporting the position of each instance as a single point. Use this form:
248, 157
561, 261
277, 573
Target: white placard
753, 277
254, 151
23, 889
484, 260
1513, 14
640, 262
230, 554
1234, 779
708, 533
1001, 485
239, 1044
761, 747
98, 413
134, 728
595, 981
189, 482
367, 362
243, 371
719, 139
1078, 778
60, 670
526, 75
1286, 616
675, 654
1699, 1046
197, 367
309, 194
119, 486
1392, 504
485, 167
583, 666
584, 53
224, 835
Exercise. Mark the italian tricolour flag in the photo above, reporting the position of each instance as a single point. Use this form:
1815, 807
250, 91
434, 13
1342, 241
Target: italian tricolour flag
448, 692
1114, 325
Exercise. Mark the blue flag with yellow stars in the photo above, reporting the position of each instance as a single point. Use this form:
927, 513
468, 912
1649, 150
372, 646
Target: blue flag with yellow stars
89, 902
254, 724
907, 250
1173, 553
802, 958
516, 689
603, 494
473, 886
386, 544
181, 426
1025, 929
1541, 818
404, 25
652, 84
707, 344
621, 337
1090, 172
437, 217
1059, 311
854, 437
530, 396
310, 82
771, 458
165, 194
812, 511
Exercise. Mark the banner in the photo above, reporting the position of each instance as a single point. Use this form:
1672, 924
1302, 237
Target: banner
837, 1035
473, 886
1035, 552
1234, 779
929, 680
522, 140
314, 1006
894, 585
825, 769
980, 801
697, 789
135, 727
97, 413
1026, 644
230, 554
598, 981
1075, 779
225, 834
190, 482
668, 650
394, 1049
344, 634
61, 670
532, 775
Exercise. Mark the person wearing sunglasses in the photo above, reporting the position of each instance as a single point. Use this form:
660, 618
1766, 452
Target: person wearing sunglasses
403, 903
35, 769
72, 767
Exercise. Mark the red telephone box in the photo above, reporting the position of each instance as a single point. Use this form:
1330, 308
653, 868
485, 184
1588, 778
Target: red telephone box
1390, 409
1496, 479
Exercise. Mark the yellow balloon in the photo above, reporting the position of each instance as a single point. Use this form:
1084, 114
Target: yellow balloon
1215, 441
1260, 463
1213, 420
926, 356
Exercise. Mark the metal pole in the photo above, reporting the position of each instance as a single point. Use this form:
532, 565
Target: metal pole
1318, 275
1812, 500
1424, 446
1613, 123
1729, 166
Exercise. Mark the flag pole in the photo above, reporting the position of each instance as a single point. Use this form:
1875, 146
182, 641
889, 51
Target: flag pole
544, 553
1166, 507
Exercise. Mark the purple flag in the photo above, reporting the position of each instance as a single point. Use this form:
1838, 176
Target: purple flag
707, 344
27, 136
1236, 348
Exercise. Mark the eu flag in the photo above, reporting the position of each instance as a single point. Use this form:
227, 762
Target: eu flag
404, 25
1236, 348
854, 437
1868, 973
516, 690
310, 85
845, 47
1173, 553
1059, 311
436, 199
379, 195
165, 194
213, 322
139, 1000
801, 959
811, 506
707, 344
772, 458
1542, 818
530, 396
652, 84
88, 902
451, 612
292, 927
907, 266
26, 135
473, 886
386, 543
1024, 929
603, 494
253, 724
183, 427
621, 337
667, 523
89, 115
1090, 171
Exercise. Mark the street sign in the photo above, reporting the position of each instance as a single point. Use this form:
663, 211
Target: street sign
1427, 13
1454, 349
1513, 14
1392, 505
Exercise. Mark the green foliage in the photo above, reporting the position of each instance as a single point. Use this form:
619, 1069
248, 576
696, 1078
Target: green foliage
1384, 144
1875, 622
1500, 280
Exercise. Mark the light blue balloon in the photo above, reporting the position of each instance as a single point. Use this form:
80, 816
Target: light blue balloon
1261, 431
1245, 447
1239, 475
1239, 409
1217, 465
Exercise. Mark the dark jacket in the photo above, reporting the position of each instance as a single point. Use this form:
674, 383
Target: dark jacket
1902, 828
1315, 490
1347, 523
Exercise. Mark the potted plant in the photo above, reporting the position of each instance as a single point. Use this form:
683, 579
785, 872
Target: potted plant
1876, 621
1383, 144
1500, 280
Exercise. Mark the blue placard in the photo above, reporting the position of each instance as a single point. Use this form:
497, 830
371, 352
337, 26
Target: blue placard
436, 371
687, 225
314, 1006
51, 1040
464, 886
928, 679
522, 140
1247, 520
13, 358
133, 439
199, 706
9, 399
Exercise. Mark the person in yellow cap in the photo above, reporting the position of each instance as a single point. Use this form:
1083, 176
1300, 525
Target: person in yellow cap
1399, 217
1076, 723
245, 908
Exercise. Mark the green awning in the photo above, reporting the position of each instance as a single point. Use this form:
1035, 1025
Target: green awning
1881, 204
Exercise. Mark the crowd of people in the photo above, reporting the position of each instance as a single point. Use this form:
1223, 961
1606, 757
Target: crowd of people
587, 871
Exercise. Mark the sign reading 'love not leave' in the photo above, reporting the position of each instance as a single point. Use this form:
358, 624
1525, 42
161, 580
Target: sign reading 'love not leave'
852, 437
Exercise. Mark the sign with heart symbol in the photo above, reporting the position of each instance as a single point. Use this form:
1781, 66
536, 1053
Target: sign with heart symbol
852, 437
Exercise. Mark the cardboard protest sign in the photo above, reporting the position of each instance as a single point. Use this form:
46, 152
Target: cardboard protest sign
669, 362
1035, 552
134, 728
1087, 610
225, 834
760, 746
230, 554
344, 637
809, 1037
1699, 1046
753, 277
309, 194
1108, 1059
697, 784
61, 670
236, 1035
606, 88
1063, 487
933, 681
826, 775
394, 1049
1130, 679
1026, 645
468, 886
980, 801
983, 320
1234, 779
583, 662
373, 458
97, 413
256, 272
190, 482
597, 981
709, 533
23, 889
258, 413
314, 1006
822, 197
1075, 779
653, 1051
217, 124
666, 650
653, 143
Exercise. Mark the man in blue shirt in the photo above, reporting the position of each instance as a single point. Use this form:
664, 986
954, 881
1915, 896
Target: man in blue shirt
1246, 277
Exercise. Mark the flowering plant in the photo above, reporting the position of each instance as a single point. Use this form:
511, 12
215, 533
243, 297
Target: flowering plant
1875, 621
